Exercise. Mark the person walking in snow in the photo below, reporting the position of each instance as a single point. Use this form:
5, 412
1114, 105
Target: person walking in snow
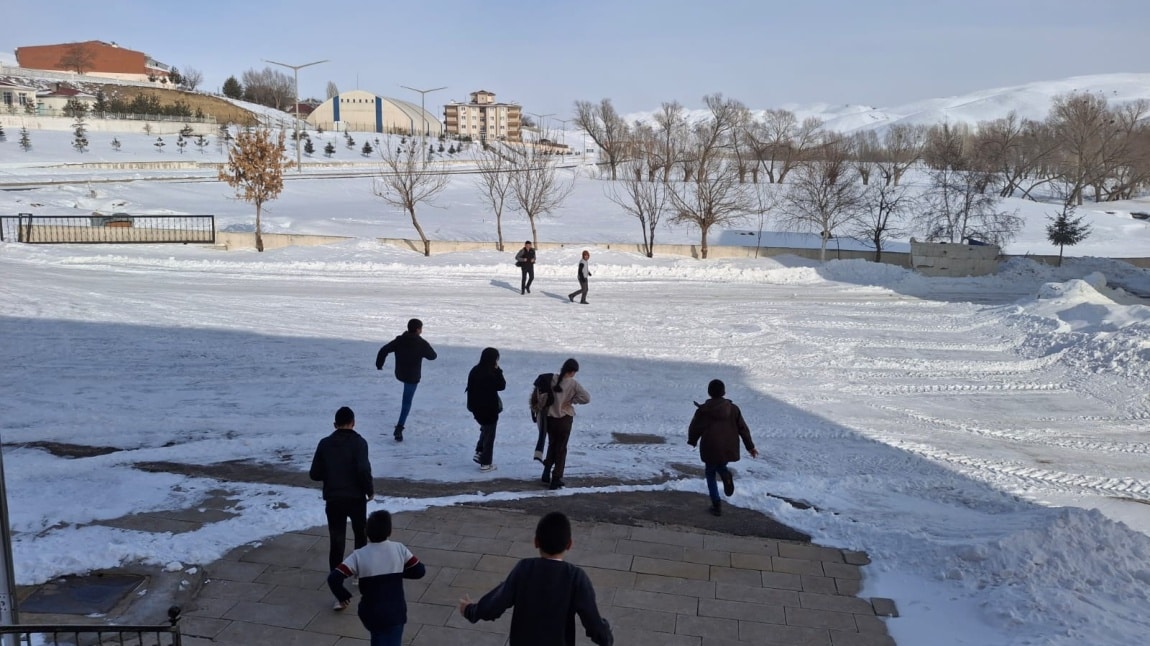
484, 383
559, 416
584, 274
341, 463
410, 350
717, 427
525, 261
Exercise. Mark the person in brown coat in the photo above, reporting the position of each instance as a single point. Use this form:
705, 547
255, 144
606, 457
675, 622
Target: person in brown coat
719, 424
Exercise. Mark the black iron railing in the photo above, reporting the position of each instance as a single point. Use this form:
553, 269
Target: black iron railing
118, 228
95, 635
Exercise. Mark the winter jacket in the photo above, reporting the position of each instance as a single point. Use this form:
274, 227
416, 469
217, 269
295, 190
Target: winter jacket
716, 427
570, 393
584, 270
525, 257
546, 595
341, 463
483, 385
410, 350
381, 568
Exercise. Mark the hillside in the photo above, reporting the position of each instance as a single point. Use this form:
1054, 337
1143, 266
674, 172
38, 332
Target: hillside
223, 110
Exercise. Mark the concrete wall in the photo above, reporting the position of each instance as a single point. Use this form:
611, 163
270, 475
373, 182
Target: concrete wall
13, 123
230, 240
956, 260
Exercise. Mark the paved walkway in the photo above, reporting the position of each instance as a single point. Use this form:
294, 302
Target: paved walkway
657, 585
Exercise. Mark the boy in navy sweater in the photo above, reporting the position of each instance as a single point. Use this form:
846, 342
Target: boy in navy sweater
546, 592
381, 566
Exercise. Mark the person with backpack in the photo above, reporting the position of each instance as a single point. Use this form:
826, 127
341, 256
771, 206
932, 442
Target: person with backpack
717, 427
584, 274
410, 350
483, 385
525, 261
555, 408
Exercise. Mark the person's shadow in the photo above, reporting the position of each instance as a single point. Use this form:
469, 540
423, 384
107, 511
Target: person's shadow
505, 285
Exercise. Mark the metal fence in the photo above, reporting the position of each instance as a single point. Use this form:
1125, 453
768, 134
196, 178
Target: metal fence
94, 634
118, 228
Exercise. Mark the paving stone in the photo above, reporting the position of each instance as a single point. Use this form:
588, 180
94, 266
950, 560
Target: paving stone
847, 638
675, 585
850, 587
884, 607
293, 577
667, 536
451, 636
752, 594
631, 637
796, 566
820, 619
446, 558
652, 550
741, 610
607, 561
636, 619
433, 540
751, 561
522, 550
429, 613
350, 641
204, 606
664, 567
834, 602
852, 557
234, 590
870, 624
284, 616
674, 603
707, 557
819, 584
782, 580
610, 531
706, 627
152, 523
741, 544
235, 570
342, 624
610, 578
242, 633
777, 635
483, 545
292, 541
280, 555
484, 580
308, 600
205, 627
495, 563
810, 552
842, 570
736, 575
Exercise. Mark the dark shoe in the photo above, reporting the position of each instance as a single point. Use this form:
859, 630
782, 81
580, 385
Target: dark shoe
398, 433
728, 483
528, 290
571, 297
522, 292
556, 484
716, 509
476, 459
582, 302
546, 475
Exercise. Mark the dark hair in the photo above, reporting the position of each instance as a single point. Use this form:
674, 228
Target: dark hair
344, 416
489, 357
414, 325
528, 242
569, 365
553, 533
379, 526
716, 388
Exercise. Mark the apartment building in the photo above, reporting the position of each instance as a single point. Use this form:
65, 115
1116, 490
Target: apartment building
483, 119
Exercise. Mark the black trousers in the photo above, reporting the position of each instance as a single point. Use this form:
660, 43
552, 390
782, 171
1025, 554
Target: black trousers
581, 292
558, 432
528, 277
338, 513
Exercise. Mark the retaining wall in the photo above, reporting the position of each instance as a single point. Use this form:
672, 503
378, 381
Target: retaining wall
954, 260
13, 123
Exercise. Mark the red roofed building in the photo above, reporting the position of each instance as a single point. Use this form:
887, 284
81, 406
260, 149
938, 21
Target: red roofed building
92, 58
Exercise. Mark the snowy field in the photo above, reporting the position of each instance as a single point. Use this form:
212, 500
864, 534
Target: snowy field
984, 440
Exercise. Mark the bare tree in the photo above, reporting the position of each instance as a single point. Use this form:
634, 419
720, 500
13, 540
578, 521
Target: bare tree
885, 211
781, 142
255, 168
494, 181
406, 181
670, 135
78, 57
825, 193
269, 87
536, 187
958, 208
645, 200
192, 78
605, 127
332, 91
902, 149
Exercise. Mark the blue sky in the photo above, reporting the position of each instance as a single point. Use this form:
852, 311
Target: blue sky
548, 53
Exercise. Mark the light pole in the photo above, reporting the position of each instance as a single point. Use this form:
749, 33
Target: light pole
296, 69
423, 115
9, 615
563, 123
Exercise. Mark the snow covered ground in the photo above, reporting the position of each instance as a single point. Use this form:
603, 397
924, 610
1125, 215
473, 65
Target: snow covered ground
983, 439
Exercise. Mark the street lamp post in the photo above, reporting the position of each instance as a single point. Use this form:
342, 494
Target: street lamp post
295, 110
563, 124
423, 115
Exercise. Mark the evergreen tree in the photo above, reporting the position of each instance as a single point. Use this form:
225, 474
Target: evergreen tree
79, 135
430, 150
451, 149
186, 131
175, 77
25, 142
115, 144
201, 142
329, 149
75, 108
100, 106
367, 149
1065, 230
350, 143
440, 149
181, 143
232, 88
159, 144
3, 136
308, 147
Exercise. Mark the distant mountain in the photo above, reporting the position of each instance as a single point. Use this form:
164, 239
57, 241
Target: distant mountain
1030, 101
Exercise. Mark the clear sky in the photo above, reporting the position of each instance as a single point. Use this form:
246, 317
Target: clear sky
545, 54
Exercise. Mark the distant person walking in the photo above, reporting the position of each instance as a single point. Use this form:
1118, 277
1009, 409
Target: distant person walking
341, 463
525, 261
558, 418
410, 350
546, 593
381, 566
584, 274
717, 427
484, 383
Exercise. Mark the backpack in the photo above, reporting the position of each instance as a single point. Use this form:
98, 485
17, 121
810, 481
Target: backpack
542, 395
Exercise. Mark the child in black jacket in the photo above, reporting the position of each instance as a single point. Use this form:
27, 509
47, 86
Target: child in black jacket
547, 593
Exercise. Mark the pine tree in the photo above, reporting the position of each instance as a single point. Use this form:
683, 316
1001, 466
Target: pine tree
367, 149
308, 147
3, 136
201, 142
232, 88
350, 143
181, 143
186, 131
1065, 230
79, 135
159, 144
115, 144
451, 149
329, 149
440, 147
25, 142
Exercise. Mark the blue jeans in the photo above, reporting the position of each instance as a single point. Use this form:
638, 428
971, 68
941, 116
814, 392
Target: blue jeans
405, 407
390, 636
712, 486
